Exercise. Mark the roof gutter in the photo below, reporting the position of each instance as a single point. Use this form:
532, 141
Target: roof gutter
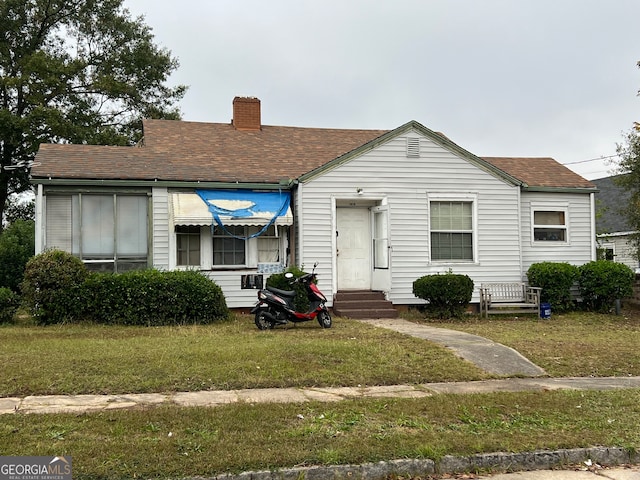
284, 184
560, 189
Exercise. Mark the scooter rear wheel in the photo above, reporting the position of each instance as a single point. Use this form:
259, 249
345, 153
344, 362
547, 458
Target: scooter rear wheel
262, 322
324, 319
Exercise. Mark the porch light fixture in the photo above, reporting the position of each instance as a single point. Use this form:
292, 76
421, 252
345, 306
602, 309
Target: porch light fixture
359, 191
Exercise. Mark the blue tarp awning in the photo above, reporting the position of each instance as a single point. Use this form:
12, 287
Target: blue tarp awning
232, 207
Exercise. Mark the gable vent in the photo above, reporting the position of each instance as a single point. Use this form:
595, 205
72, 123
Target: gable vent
413, 147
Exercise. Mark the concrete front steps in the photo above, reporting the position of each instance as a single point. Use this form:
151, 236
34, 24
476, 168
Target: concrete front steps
363, 304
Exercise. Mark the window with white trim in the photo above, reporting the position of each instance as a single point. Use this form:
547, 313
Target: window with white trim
550, 225
451, 230
188, 245
229, 247
269, 246
108, 232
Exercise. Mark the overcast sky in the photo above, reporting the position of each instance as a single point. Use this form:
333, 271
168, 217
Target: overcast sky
555, 78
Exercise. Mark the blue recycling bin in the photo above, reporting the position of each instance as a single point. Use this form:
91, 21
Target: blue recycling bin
545, 310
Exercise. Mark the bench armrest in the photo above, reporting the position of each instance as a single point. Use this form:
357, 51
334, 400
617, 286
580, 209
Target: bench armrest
533, 294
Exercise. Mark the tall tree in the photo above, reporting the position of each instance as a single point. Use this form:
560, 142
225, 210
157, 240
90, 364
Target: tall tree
75, 71
629, 178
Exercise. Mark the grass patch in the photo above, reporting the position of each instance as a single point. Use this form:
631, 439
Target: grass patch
99, 359
171, 442
576, 344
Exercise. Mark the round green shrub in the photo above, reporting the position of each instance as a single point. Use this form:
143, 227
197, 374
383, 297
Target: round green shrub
8, 305
602, 282
448, 295
17, 246
51, 289
556, 280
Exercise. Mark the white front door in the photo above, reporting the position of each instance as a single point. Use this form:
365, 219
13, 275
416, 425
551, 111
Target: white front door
354, 248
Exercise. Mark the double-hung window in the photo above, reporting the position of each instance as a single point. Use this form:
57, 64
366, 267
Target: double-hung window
188, 245
452, 230
550, 225
229, 248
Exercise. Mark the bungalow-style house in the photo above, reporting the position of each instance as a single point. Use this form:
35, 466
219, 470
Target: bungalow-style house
613, 230
376, 209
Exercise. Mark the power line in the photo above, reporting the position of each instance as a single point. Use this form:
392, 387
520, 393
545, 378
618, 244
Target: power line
592, 159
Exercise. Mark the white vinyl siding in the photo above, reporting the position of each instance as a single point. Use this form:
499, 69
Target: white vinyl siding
162, 240
577, 248
406, 185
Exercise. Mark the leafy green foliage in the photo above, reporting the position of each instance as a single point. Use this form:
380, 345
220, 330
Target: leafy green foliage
151, 297
602, 282
78, 72
58, 288
629, 169
448, 294
556, 280
52, 286
16, 248
8, 305
278, 280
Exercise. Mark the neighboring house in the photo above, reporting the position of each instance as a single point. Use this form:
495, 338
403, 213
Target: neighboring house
376, 209
611, 225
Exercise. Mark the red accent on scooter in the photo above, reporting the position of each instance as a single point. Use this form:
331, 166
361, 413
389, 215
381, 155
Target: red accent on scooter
276, 307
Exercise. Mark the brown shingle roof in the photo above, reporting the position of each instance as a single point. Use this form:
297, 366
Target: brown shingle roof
214, 152
540, 172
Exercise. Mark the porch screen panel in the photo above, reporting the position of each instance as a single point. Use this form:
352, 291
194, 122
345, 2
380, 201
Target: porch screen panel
132, 225
58, 220
98, 226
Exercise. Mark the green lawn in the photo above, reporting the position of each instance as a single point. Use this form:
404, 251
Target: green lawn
75, 359
170, 442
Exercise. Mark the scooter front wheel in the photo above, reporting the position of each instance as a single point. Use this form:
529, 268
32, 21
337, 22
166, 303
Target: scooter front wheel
262, 322
324, 319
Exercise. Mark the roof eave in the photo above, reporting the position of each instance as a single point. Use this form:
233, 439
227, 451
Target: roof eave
534, 188
82, 182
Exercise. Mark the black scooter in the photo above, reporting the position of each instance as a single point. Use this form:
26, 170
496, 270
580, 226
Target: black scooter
276, 306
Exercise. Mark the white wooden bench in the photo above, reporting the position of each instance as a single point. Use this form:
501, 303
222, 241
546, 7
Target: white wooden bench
509, 297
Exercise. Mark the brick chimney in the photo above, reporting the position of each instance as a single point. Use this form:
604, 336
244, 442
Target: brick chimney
246, 113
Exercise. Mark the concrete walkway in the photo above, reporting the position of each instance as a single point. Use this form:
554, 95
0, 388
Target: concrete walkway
490, 356
213, 398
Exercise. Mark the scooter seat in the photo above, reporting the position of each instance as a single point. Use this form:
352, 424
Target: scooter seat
283, 293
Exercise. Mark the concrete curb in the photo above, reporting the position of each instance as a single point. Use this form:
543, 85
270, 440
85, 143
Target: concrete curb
489, 462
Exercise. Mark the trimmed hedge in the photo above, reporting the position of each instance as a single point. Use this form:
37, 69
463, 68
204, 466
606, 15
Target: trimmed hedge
151, 297
9, 302
602, 282
556, 280
58, 288
448, 294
